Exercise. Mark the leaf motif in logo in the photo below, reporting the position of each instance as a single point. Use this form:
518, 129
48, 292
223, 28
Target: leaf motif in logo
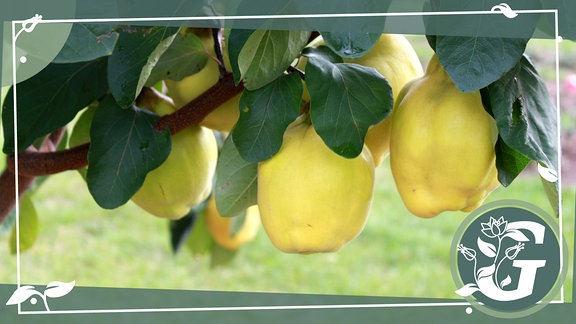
21, 295
467, 290
506, 281
57, 289
516, 235
486, 271
488, 249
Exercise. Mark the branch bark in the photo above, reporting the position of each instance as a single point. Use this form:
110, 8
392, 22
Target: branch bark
46, 161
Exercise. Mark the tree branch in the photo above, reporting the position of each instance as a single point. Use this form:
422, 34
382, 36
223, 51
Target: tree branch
33, 163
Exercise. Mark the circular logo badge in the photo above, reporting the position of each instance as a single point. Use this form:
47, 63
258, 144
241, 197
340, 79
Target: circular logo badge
509, 259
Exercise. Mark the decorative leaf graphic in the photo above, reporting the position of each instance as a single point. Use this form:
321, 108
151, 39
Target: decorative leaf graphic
467, 290
21, 295
505, 282
516, 235
548, 174
488, 249
486, 271
57, 289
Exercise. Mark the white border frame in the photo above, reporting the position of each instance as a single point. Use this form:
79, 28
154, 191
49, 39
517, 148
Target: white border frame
557, 39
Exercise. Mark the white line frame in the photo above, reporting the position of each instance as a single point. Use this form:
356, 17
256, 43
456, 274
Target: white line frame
557, 40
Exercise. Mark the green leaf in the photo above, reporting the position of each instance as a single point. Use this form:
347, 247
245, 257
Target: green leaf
551, 190
87, 42
136, 53
236, 181
509, 162
236, 223
185, 56
182, 228
525, 114
236, 40
345, 99
200, 240
124, 148
264, 115
51, 99
475, 62
350, 45
28, 223
221, 256
267, 54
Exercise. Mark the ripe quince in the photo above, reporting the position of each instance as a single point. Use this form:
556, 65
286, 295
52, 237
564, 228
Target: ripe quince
442, 145
394, 58
185, 178
310, 198
220, 227
222, 118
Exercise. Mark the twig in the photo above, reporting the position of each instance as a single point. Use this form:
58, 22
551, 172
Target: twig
45, 161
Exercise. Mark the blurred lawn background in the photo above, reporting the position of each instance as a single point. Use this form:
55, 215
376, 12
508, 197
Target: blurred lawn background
397, 254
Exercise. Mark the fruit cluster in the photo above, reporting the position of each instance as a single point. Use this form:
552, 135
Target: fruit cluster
440, 142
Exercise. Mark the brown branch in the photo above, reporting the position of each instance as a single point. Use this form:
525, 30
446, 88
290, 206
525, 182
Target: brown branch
33, 163
8, 192
196, 110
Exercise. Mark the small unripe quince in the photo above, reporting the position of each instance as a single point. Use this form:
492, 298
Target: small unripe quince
222, 118
221, 227
310, 198
185, 178
442, 145
395, 59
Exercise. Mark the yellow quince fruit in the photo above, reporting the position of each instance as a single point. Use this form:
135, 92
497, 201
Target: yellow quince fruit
222, 118
220, 227
394, 58
310, 198
185, 178
442, 145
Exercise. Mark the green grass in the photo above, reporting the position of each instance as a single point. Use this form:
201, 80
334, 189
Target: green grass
397, 254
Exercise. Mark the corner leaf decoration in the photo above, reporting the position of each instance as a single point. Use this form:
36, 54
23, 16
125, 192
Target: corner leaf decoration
506, 282
54, 289
488, 249
467, 290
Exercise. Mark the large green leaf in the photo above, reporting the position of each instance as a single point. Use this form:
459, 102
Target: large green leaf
124, 148
350, 45
236, 40
185, 56
475, 62
264, 115
87, 42
51, 99
345, 99
236, 181
136, 53
509, 162
525, 114
267, 54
